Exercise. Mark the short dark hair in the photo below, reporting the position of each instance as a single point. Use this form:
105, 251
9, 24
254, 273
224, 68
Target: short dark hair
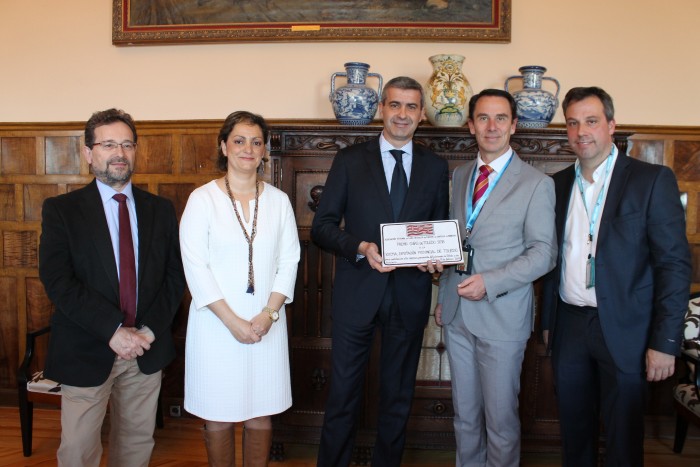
106, 117
581, 93
493, 93
403, 82
231, 121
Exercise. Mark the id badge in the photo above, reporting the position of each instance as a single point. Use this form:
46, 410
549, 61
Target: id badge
469, 258
590, 272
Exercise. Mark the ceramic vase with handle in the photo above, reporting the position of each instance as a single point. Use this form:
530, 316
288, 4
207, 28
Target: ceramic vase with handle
536, 106
447, 92
355, 103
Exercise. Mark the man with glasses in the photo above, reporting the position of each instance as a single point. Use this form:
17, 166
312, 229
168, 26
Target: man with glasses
110, 262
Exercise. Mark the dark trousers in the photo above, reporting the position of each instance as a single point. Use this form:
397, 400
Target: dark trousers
589, 386
400, 352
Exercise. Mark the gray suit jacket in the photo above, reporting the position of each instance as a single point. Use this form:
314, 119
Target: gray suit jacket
514, 243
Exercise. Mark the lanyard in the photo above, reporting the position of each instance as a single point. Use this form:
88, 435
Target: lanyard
473, 211
592, 219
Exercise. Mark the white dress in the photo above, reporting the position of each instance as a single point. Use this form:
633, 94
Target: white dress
225, 380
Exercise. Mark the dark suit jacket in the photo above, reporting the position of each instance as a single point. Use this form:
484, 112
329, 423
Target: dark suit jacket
642, 263
356, 192
79, 272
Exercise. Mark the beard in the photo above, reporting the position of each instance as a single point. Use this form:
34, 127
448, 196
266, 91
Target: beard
111, 176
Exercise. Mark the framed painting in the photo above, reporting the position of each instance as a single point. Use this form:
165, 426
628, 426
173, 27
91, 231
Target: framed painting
144, 22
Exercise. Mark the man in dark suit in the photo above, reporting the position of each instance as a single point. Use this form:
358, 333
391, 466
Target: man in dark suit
613, 307
115, 297
506, 217
367, 295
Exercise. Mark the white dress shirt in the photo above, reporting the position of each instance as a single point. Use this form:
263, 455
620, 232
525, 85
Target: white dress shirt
576, 247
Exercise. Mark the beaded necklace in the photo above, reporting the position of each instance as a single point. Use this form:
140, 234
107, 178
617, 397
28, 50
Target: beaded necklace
249, 238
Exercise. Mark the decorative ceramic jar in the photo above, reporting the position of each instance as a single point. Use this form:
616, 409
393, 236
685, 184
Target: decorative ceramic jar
536, 106
355, 103
447, 92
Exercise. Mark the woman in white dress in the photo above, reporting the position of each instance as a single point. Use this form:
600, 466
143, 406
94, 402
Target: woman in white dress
240, 249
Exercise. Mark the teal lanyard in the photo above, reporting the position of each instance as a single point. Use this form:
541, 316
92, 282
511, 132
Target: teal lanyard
592, 219
473, 211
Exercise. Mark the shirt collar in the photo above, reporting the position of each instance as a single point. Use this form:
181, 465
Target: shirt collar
107, 192
385, 146
600, 170
499, 163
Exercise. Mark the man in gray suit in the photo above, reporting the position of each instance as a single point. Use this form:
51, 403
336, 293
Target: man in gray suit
505, 209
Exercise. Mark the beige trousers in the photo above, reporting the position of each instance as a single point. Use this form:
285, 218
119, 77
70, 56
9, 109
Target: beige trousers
133, 398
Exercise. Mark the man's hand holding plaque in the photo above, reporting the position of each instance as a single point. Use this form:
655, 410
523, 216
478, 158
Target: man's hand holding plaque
409, 244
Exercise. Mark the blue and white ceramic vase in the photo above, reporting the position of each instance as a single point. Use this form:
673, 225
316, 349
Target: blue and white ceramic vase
536, 106
355, 103
447, 92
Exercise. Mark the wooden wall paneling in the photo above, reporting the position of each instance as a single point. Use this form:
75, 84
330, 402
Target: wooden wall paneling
154, 155
18, 155
199, 154
7, 202
34, 196
62, 155
686, 161
40, 155
20, 249
9, 338
178, 193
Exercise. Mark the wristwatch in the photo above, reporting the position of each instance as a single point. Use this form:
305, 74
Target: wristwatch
274, 314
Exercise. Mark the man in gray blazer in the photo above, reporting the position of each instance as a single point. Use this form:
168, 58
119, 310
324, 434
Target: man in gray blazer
505, 209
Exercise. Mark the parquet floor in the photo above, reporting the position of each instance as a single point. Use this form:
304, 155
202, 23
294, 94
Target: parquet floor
179, 444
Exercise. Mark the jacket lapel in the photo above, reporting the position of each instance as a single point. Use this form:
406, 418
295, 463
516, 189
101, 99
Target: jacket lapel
618, 181
505, 184
144, 217
459, 195
93, 213
418, 179
563, 196
373, 159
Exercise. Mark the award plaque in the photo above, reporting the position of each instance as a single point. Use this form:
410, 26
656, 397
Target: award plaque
413, 243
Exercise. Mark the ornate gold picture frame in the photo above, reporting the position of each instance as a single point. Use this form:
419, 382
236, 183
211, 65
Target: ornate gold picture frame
152, 22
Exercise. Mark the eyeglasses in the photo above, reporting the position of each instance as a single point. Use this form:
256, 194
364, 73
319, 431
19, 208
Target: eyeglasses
127, 146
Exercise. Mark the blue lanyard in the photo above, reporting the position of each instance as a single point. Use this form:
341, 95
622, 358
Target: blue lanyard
592, 219
473, 211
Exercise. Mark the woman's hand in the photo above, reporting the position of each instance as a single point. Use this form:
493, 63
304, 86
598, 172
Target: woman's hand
261, 323
242, 330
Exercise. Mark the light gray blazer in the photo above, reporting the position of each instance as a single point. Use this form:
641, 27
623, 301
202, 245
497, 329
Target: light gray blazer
514, 243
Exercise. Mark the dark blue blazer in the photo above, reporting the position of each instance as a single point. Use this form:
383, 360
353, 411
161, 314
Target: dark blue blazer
642, 262
79, 272
356, 194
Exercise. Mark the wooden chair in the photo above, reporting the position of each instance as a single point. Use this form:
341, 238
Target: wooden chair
33, 387
687, 393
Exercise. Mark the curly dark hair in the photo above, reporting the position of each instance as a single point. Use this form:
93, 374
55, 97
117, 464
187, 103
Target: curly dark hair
106, 117
231, 121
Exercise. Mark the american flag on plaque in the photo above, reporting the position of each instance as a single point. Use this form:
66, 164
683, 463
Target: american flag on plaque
415, 230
